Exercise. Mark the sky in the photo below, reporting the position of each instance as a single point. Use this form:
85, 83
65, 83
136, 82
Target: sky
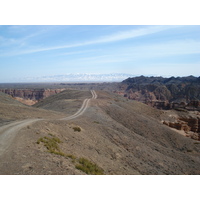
29, 53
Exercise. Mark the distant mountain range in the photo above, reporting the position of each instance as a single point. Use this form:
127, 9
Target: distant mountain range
86, 77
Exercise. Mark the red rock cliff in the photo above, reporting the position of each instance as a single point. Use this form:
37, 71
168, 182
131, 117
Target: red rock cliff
31, 94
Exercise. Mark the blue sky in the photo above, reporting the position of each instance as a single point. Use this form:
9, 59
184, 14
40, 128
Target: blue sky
37, 51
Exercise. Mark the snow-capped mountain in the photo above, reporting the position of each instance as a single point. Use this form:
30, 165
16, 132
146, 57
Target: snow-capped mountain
87, 77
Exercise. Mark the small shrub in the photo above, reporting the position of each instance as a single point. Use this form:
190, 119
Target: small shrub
189, 150
50, 143
89, 167
77, 128
52, 146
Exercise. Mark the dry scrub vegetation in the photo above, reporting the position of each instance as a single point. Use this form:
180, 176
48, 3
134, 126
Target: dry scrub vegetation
83, 164
76, 128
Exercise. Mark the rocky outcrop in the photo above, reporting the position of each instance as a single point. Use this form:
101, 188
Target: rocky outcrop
49, 92
163, 93
179, 125
193, 123
30, 94
191, 126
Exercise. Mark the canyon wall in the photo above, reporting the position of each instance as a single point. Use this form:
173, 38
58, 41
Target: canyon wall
163, 93
30, 96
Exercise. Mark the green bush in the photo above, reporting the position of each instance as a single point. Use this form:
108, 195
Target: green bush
89, 167
50, 143
77, 128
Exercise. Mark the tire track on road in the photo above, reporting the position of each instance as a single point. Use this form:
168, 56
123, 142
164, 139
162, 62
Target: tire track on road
83, 107
9, 132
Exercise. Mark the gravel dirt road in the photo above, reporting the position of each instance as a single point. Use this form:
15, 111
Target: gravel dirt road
9, 132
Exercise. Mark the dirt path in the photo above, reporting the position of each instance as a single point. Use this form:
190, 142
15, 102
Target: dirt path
83, 107
94, 95
9, 132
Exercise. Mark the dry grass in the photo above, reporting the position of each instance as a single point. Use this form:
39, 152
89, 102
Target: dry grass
89, 167
51, 143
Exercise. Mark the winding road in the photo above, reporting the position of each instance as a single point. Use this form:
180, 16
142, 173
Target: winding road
9, 131
83, 107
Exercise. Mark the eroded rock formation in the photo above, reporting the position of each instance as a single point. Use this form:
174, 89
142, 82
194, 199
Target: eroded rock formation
163, 93
189, 124
181, 94
30, 96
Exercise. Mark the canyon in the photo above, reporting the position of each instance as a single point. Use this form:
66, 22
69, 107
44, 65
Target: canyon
179, 95
163, 93
30, 96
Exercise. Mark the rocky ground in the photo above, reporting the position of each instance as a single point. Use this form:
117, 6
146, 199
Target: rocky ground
119, 136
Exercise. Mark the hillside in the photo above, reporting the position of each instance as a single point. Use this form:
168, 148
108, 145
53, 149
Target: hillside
12, 110
116, 135
67, 101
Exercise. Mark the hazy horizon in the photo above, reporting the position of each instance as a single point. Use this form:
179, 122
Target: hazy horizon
43, 53
83, 78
